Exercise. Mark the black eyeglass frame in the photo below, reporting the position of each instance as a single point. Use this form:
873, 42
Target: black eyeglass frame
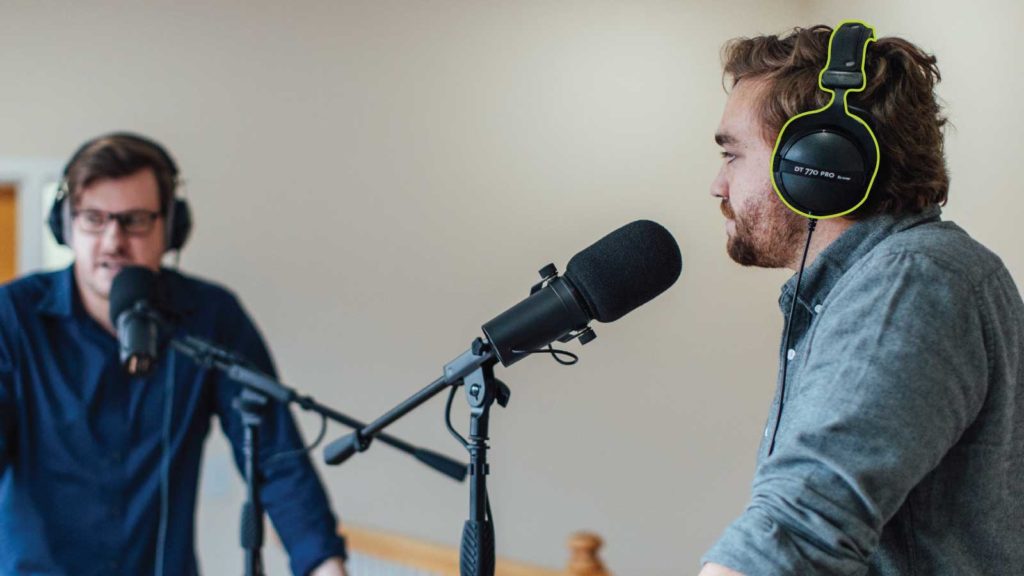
132, 222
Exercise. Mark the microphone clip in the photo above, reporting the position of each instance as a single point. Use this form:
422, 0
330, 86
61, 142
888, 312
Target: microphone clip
584, 336
549, 274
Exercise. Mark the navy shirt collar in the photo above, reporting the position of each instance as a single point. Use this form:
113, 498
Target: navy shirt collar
59, 301
830, 265
63, 301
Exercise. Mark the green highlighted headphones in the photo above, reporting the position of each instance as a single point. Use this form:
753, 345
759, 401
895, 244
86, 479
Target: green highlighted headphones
826, 160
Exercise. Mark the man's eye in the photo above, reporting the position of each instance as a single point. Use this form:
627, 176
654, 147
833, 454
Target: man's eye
136, 218
93, 217
729, 156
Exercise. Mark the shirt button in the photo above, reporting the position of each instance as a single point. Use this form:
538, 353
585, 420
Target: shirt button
765, 431
791, 354
817, 309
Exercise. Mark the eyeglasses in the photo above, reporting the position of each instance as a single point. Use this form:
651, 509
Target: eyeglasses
134, 222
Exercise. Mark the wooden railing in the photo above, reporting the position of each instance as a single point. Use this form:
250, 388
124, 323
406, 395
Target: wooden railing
440, 560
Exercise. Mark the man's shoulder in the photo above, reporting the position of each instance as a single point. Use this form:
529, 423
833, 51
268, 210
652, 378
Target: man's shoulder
27, 291
188, 292
193, 285
20, 299
942, 248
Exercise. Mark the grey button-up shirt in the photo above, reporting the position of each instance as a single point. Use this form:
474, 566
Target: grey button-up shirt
900, 443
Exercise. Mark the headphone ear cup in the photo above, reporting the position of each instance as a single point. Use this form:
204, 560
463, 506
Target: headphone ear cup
180, 225
55, 220
824, 164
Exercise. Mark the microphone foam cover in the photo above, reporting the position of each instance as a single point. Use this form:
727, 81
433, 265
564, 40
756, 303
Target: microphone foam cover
132, 283
625, 269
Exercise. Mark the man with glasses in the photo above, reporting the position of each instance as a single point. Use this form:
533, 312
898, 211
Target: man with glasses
84, 447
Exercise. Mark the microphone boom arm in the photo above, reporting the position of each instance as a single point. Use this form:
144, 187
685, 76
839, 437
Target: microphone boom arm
359, 440
240, 370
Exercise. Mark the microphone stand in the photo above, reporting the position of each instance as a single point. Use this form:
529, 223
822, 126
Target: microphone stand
476, 555
475, 369
250, 404
258, 389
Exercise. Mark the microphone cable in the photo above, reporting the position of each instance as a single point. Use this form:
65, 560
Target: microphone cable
811, 225
165, 465
556, 353
274, 458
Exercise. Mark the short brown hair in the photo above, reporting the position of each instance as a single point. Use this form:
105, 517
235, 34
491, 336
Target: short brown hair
900, 96
117, 156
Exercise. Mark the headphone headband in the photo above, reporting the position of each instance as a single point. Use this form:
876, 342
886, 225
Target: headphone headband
847, 49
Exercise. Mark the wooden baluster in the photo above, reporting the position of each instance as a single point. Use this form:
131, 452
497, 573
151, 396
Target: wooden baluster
583, 559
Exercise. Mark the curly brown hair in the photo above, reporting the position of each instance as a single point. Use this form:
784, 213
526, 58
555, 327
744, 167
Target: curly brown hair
900, 95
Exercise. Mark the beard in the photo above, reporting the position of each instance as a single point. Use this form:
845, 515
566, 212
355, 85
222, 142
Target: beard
767, 234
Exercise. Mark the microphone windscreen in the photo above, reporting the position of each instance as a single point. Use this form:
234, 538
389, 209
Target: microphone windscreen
625, 269
132, 283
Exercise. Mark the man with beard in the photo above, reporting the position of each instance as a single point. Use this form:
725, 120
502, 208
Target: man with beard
895, 442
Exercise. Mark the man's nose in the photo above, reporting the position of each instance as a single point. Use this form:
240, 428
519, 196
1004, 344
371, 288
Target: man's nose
113, 235
720, 186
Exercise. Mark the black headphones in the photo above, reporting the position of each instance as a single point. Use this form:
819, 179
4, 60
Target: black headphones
825, 161
177, 214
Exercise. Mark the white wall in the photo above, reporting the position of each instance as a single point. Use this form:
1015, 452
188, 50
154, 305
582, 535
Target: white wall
377, 179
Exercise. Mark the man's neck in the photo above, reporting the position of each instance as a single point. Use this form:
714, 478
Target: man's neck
97, 307
826, 232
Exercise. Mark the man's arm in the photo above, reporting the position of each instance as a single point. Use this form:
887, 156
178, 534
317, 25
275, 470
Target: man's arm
894, 372
291, 490
330, 567
712, 569
6, 420
8, 413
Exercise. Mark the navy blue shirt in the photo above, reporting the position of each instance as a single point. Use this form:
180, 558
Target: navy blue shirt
81, 442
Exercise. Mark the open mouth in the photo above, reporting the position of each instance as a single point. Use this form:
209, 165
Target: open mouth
113, 266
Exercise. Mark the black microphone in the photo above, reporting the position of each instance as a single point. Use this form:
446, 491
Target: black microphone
603, 282
137, 322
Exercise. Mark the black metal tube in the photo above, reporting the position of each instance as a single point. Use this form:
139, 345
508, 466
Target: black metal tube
466, 363
208, 354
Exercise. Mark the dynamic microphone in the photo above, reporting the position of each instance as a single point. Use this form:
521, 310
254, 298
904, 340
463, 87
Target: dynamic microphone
603, 282
136, 320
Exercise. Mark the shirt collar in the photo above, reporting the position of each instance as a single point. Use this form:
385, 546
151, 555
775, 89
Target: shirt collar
826, 270
62, 299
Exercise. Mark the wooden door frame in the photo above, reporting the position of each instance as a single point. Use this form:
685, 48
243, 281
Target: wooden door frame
31, 176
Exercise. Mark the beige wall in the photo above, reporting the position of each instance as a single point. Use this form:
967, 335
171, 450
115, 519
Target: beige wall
377, 179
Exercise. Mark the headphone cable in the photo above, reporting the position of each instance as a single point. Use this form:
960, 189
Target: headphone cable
811, 225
